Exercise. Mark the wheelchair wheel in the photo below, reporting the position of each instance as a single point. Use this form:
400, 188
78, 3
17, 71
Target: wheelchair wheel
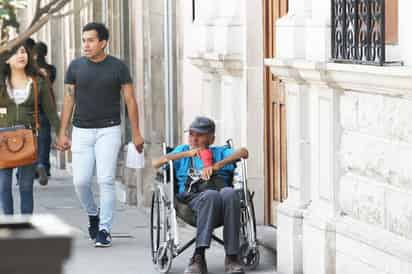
249, 256
249, 252
164, 258
158, 227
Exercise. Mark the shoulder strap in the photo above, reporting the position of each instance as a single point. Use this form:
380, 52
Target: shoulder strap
36, 103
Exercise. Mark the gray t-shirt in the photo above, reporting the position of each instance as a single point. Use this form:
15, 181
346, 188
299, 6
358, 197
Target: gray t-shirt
97, 91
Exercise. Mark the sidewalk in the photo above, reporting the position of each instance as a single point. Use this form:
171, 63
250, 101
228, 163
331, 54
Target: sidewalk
130, 253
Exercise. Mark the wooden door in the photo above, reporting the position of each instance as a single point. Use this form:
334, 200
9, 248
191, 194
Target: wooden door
275, 118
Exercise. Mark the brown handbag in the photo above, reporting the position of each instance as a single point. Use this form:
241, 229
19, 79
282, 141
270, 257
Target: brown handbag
18, 145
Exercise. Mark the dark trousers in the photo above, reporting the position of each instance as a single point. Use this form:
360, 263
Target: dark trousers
213, 208
44, 143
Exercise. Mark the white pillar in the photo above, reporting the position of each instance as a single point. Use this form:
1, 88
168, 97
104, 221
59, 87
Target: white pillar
319, 223
290, 44
290, 213
318, 239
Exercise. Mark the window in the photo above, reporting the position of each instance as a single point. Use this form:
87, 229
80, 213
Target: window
361, 29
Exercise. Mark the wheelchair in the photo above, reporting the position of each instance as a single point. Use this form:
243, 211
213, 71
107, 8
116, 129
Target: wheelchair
165, 208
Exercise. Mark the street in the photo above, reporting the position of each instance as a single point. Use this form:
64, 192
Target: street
130, 253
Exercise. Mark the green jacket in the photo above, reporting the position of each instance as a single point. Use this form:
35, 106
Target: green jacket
23, 114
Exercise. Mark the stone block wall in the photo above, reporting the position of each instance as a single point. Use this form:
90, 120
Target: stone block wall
376, 151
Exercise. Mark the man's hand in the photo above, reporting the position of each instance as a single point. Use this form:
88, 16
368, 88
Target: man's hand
138, 142
193, 152
63, 142
207, 172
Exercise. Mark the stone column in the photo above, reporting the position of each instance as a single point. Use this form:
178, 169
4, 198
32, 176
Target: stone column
253, 73
291, 41
318, 223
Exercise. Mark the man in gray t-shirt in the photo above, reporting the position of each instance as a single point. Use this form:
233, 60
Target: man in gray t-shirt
94, 83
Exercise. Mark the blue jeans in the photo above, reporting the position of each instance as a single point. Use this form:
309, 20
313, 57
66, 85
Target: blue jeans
96, 148
25, 179
44, 143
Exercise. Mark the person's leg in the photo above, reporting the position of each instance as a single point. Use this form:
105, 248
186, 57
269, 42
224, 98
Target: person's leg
107, 149
44, 144
83, 161
26, 179
231, 229
6, 190
231, 220
208, 208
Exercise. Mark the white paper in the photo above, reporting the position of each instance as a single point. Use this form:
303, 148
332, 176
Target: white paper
134, 159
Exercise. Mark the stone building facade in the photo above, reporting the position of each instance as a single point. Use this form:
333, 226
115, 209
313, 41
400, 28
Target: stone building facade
349, 203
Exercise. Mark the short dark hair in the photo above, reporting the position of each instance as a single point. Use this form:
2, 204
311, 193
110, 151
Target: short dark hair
29, 43
40, 49
102, 31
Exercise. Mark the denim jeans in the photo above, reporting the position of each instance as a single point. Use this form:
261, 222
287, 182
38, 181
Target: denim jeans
96, 148
44, 143
25, 179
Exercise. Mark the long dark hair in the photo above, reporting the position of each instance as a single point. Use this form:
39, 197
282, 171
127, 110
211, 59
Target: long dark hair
30, 68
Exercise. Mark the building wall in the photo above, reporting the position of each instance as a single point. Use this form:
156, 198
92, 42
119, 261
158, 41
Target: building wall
349, 202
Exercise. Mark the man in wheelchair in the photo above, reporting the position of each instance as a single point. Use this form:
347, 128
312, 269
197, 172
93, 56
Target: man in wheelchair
210, 194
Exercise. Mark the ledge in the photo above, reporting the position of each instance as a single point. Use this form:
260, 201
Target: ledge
392, 81
376, 238
218, 63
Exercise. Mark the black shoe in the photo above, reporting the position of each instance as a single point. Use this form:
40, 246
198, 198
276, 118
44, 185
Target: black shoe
103, 239
197, 265
43, 179
93, 226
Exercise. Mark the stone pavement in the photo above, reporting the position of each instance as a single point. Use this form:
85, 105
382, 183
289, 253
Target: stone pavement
130, 253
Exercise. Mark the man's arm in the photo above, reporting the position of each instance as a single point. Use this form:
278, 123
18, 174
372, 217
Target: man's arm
238, 154
174, 156
133, 112
68, 105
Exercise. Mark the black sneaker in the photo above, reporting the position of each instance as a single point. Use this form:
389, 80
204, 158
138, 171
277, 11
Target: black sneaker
103, 239
43, 179
93, 226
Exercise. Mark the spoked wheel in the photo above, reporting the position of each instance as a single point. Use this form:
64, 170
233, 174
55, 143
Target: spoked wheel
164, 258
157, 225
249, 256
249, 251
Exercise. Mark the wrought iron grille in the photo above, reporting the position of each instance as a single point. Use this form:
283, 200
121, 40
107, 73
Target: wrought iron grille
358, 31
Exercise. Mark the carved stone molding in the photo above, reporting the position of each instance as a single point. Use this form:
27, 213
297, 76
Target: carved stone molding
218, 63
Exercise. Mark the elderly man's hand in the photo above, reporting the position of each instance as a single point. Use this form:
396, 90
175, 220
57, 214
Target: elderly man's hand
207, 172
193, 152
